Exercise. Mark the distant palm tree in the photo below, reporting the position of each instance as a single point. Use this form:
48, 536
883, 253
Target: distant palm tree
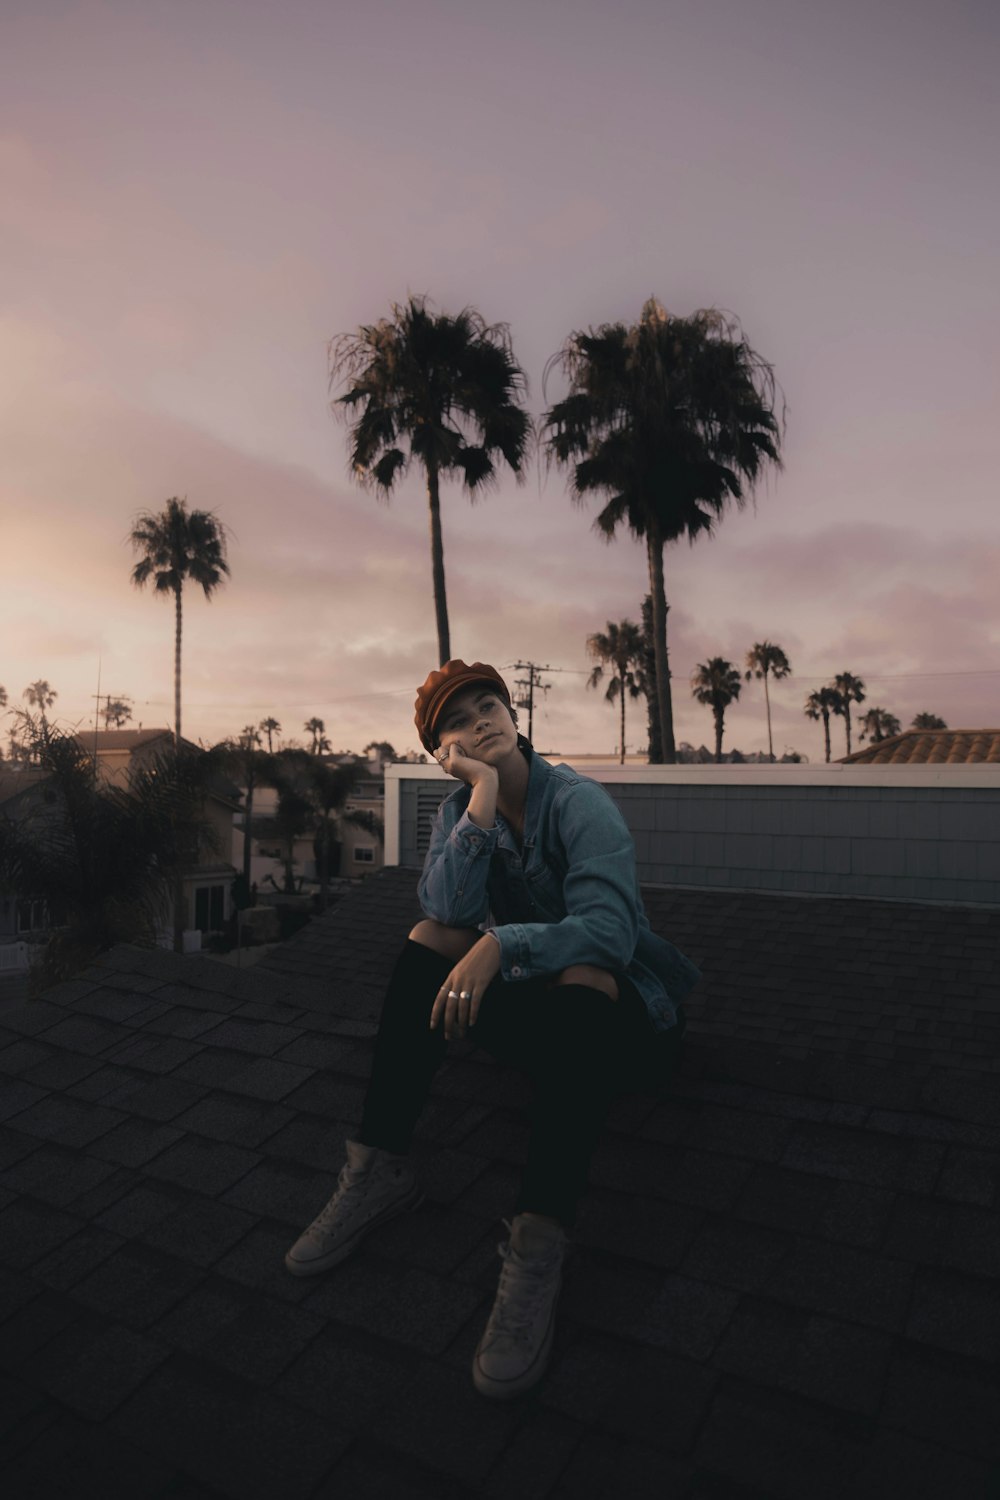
620, 647
247, 764
116, 713
328, 788
928, 721
668, 420
270, 727
820, 704
717, 683
40, 696
762, 658
320, 744
177, 544
450, 389
849, 689
879, 724
3, 697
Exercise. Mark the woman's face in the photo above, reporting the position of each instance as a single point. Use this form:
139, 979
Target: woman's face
479, 722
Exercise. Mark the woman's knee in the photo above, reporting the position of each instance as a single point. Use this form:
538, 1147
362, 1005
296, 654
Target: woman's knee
591, 976
450, 942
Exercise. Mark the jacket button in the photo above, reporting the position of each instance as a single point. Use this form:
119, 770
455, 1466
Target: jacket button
516, 971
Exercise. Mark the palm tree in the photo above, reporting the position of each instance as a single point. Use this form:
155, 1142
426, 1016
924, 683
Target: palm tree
177, 544
879, 724
320, 744
928, 721
716, 682
620, 648
246, 762
820, 705
647, 681
849, 689
270, 727
328, 788
449, 388
762, 658
116, 712
668, 420
40, 696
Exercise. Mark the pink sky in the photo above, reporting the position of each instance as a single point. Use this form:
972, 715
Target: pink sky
195, 197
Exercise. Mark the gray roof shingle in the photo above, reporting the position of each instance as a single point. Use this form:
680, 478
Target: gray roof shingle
786, 1275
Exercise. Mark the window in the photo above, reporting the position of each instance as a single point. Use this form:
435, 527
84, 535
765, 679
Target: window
209, 904
364, 855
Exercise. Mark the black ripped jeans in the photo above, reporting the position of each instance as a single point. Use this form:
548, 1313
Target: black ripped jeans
581, 1048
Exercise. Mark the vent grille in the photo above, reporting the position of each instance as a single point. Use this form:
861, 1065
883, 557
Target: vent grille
429, 799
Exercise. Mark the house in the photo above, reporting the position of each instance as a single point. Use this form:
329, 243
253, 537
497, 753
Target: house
208, 880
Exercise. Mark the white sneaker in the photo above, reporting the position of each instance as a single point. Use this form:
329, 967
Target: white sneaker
372, 1188
515, 1348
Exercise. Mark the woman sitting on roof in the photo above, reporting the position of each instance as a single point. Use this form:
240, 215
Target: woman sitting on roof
535, 945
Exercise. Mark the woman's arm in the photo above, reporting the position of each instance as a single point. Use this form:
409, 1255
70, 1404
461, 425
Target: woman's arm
452, 886
600, 893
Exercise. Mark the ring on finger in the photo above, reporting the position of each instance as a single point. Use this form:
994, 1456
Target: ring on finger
454, 995
465, 995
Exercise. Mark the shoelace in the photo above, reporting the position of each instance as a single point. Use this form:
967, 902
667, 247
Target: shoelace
524, 1282
322, 1222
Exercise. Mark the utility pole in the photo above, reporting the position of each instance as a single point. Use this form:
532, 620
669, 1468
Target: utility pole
530, 683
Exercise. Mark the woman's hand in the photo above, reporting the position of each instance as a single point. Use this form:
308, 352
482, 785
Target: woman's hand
460, 996
453, 759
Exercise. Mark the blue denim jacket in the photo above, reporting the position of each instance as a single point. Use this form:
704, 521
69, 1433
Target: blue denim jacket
572, 897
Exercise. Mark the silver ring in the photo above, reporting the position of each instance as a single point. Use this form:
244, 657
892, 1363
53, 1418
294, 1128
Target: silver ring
453, 995
465, 995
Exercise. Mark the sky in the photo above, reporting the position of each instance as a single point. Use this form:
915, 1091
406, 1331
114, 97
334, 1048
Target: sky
197, 195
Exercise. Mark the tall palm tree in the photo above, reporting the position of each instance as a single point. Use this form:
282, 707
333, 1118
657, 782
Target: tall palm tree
880, 724
320, 744
928, 721
849, 689
271, 727
449, 388
820, 704
40, 696
620, 648
668, 420
762, 658
177, 544
717, 683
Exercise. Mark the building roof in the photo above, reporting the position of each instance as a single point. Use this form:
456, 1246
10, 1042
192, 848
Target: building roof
953, 747
122, 739
786, 1274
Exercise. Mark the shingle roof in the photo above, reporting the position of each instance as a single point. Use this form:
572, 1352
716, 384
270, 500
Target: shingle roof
953, 747
786, 1280
122, 739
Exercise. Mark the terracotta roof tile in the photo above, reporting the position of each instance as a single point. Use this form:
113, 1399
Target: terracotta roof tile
953, 747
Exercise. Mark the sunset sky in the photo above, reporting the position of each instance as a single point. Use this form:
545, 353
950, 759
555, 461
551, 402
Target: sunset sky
195, 195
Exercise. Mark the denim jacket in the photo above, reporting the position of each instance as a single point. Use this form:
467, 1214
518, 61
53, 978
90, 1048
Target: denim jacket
572, 897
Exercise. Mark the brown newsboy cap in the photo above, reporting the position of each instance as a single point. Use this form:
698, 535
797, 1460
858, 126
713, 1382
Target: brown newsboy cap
443, 684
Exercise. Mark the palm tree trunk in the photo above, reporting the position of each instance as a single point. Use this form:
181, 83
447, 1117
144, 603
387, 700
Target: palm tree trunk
767, 700
654, 548
177, 670
719, 716
826, 735
847, 721
621, 760
437, 565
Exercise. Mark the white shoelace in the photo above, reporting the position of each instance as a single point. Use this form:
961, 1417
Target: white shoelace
524, 1283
